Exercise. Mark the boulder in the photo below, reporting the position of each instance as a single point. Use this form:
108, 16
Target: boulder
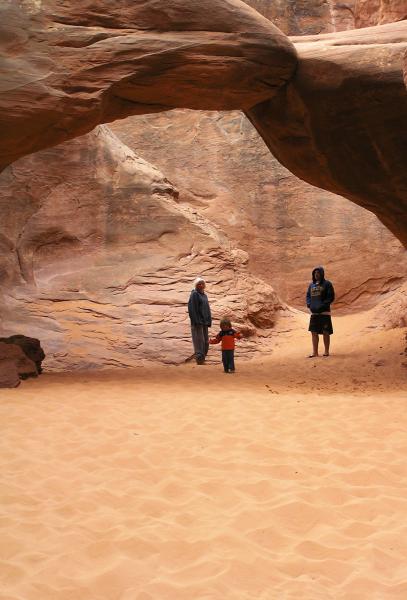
30, 346
14, 365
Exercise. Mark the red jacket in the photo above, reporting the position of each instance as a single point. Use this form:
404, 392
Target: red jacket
227, 337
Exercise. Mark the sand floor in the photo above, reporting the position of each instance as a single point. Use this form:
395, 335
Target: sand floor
287, 480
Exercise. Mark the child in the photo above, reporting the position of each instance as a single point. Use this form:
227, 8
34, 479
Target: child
227, 336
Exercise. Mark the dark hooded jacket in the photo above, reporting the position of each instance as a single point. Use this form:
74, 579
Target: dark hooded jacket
320, 295
198, 309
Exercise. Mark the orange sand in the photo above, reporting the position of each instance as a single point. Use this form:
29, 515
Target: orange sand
285, 481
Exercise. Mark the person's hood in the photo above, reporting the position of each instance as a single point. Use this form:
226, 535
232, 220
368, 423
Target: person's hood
321, 270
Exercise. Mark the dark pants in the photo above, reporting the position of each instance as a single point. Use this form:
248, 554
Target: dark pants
200, 341
228, 359
320, 324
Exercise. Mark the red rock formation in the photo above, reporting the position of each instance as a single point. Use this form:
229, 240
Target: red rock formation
392, 310
340, 125
375, 12
14, 365
223, 169
311, 17
307, 17
70, 66
99, 258
31, 348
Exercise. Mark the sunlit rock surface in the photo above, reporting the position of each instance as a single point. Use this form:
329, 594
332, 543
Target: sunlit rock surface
99, 257
307, 17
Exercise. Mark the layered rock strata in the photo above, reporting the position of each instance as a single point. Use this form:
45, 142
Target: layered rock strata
98, 260
223, 169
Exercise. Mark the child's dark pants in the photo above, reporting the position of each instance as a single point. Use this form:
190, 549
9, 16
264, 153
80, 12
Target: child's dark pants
228, 359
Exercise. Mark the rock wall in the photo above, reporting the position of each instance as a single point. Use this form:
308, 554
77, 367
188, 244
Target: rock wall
98, 257
377, 12
69, 67
223, 169
307, 17
311, 17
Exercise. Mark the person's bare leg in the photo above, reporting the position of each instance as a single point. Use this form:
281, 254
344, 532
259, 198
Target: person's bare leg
327, 339
315, 341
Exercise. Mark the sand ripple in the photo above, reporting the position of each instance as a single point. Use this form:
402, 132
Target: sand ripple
149, 488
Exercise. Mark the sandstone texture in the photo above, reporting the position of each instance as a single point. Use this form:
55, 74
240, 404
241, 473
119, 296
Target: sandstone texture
307, 17
14, 365
223, 169
392, 310
98, 260
67, 67
341, 123
375, 12
311, 17
338, 124
98, 255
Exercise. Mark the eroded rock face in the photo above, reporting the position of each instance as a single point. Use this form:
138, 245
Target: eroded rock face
70, 66
66, 72
223, 169
307, 17
340, 125
311, 17
392, 311
98, 260
376, 12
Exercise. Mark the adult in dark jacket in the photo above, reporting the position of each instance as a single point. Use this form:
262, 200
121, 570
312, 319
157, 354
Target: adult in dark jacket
320, 295
201, 319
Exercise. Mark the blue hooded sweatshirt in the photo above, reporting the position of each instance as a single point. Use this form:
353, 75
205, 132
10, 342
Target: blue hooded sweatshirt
321, 294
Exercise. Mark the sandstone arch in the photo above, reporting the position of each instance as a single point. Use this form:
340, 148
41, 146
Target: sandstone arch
63, 78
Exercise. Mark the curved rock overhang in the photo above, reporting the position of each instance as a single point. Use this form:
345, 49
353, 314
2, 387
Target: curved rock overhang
341, 122
332, 108
63, 73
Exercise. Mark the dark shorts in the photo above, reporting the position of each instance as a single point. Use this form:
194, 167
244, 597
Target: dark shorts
320, 324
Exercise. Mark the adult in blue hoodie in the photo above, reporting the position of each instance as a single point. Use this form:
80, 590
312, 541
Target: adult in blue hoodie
320, 295
201, 319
